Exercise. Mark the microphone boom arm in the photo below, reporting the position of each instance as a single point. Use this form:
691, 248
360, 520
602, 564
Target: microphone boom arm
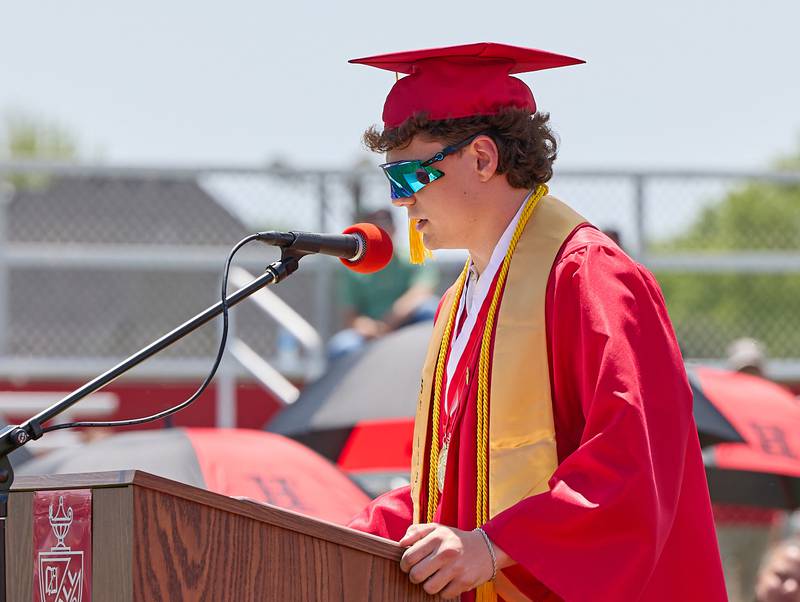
14, 437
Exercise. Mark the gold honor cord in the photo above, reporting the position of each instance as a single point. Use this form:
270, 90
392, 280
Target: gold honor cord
486, 591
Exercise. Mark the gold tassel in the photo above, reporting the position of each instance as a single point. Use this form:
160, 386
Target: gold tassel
419, 253
485, 592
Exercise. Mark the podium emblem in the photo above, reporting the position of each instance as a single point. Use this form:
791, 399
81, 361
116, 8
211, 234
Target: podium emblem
63, 551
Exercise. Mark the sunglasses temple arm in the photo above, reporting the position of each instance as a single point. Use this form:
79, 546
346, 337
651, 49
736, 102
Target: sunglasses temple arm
449, 150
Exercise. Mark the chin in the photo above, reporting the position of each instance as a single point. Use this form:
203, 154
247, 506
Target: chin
429, 241
437, 242
434, 240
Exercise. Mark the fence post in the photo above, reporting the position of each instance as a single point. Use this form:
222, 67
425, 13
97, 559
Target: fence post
322, 289
226, 381
639, 207
6, 192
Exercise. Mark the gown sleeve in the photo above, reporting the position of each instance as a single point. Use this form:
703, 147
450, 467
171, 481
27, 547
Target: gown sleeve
389, 515
620, 392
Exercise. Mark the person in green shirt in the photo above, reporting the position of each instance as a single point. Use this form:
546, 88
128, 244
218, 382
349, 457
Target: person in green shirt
375, 304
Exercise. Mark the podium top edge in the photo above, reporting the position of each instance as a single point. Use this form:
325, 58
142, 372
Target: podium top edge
266, 513
111, 478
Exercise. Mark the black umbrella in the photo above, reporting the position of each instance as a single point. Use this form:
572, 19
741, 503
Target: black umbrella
712, 426
377, 383
748, 488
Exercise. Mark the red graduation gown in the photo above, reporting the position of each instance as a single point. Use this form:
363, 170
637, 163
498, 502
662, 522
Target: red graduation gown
627, 515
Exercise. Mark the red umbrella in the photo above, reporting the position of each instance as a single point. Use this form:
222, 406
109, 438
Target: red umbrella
236, 462
764, 471
377, 453
378, 444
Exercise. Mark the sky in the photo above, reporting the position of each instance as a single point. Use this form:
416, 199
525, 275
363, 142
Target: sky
680, 84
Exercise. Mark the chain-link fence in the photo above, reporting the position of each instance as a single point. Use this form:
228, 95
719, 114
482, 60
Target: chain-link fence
95, 262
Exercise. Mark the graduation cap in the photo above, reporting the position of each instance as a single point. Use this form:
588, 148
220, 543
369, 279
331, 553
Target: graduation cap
461, 81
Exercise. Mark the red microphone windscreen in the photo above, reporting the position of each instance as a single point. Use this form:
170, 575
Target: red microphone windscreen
378, 251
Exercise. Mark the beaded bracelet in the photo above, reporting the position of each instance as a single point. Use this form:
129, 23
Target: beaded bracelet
491, 551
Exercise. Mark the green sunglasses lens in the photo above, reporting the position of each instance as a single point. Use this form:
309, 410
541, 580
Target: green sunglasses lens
409, 177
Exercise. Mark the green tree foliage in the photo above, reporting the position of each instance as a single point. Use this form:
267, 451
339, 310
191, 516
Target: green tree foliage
710, 310
757, 217
25, 137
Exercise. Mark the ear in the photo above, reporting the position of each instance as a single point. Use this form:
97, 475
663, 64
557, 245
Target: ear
487, 157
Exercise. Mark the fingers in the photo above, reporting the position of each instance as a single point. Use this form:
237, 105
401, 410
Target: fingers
442, 580
417, 553
453, 590
426, 567
416, 532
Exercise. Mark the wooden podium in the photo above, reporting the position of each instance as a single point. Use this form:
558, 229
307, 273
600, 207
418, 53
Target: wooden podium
153, 539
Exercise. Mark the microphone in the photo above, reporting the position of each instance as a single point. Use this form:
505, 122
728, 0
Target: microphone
363, 247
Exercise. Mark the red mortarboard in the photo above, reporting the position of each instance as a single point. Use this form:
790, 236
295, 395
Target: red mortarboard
461, 81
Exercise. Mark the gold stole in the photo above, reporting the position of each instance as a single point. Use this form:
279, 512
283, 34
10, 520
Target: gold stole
522, 445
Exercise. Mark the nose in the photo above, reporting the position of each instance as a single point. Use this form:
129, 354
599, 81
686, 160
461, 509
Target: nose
404, 201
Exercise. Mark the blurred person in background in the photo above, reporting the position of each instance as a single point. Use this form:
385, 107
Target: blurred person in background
555, 455
779, 579
376, 304
745, 532
748, 356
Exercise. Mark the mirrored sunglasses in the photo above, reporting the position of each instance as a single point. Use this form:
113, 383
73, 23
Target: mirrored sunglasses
406, 178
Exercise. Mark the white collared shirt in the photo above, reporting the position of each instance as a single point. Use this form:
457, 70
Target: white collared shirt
476, 289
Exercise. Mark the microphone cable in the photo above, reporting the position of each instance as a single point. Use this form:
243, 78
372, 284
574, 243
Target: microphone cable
206, 382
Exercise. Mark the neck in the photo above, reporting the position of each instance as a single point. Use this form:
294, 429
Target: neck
501, 210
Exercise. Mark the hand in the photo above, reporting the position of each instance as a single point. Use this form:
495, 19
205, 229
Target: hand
449, 561
369, 328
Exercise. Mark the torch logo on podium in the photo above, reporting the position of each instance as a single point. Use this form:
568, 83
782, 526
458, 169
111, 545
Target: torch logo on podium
61, 568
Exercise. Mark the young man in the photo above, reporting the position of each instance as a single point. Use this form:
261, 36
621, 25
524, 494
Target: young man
555, 453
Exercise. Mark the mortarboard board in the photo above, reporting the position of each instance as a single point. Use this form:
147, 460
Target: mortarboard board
461, 81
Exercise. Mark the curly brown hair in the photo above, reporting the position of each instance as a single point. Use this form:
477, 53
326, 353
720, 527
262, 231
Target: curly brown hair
527, 146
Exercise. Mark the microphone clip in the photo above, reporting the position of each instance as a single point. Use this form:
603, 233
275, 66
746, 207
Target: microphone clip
285, 241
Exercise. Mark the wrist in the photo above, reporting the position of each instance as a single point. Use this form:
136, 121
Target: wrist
491, 550
503, 559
